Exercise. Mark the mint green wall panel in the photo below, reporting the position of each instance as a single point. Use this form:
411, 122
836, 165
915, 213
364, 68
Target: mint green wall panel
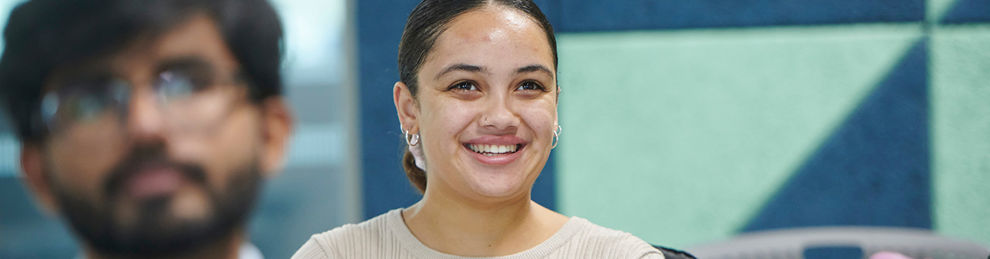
679, 137
936, 9
960, 129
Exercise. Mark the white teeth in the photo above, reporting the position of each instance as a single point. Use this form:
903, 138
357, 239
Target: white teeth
492, 149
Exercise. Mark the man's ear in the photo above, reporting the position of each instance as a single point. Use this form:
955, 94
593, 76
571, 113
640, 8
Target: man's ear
277, 123
32, 165
406, 107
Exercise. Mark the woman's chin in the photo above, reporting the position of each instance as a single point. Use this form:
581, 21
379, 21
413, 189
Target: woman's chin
498, 183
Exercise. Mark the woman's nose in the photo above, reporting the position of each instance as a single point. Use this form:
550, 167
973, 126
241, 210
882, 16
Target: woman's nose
498, 115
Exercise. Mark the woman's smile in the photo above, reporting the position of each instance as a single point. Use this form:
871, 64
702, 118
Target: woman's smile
495, 150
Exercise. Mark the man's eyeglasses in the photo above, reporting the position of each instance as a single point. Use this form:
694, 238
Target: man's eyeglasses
187, 99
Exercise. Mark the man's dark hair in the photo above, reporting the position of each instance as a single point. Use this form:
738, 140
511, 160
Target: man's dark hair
43, 36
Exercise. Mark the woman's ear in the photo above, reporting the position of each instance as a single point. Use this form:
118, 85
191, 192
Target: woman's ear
277, 123
406, 107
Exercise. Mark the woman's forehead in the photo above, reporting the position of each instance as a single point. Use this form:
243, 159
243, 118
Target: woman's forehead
492, 35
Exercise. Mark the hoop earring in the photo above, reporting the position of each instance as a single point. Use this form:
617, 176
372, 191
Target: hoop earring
556, 136
411, 139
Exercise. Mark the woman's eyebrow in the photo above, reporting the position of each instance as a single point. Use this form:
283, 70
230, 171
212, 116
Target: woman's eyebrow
535, 68
461, 67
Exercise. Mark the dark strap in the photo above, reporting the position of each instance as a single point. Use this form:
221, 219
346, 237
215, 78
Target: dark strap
671, 253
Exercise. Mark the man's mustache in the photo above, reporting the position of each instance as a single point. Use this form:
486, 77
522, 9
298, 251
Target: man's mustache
143, 157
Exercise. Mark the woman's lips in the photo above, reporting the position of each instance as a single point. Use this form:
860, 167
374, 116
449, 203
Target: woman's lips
495, 150
493, 158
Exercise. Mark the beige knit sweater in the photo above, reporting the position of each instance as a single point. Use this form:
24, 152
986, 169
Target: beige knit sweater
387, 236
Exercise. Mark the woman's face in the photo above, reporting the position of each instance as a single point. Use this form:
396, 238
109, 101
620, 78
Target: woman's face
487, 105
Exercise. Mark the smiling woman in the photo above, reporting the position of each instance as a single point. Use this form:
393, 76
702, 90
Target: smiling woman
477, 100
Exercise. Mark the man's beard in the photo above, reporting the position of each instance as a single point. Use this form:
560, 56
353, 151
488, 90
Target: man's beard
157, 231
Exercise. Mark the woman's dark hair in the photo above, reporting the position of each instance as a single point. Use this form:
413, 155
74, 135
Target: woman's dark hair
424, 26
44, 36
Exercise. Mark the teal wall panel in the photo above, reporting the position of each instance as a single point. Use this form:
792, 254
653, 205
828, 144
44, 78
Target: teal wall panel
961, 131
859, 175
694, 130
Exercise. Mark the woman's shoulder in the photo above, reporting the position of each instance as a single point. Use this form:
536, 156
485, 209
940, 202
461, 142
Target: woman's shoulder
375, 228
607, 242
348, 239
587, 230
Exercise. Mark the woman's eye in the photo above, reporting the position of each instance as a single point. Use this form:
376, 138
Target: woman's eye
530, 85
464, 86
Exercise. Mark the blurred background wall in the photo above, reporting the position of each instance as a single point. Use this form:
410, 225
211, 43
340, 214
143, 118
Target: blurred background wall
691, 121
685, 122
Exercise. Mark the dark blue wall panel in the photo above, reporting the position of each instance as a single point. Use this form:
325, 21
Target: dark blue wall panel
968, 11
379, 28
874, 169
23, 226
596, 15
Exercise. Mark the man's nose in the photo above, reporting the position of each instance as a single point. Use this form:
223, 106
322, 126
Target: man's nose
144, 120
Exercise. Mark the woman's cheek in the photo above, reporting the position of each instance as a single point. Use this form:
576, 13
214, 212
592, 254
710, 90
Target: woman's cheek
456, 117
540, 117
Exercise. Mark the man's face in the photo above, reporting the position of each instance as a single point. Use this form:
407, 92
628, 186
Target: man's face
176, 164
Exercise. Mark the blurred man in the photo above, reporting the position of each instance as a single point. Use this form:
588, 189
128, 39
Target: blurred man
147, 125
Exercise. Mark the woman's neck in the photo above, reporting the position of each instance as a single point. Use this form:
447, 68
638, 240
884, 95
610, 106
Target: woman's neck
470, 228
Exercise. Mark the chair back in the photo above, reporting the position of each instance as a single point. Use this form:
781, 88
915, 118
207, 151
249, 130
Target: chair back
841, 242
